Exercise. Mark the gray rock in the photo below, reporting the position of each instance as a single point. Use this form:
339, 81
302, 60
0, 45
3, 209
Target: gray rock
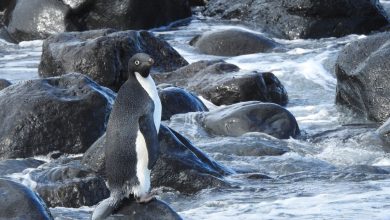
293, 19
181, 166
217, 81
67, 183
238, 119
384, 132
176, 100
363, 77
4, 84
65, 114
131, 210
103, 54
37, 19
19, 202
232, 42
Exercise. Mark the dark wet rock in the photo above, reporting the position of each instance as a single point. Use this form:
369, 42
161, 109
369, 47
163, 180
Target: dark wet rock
19, 202
384, 132
4, 4
65, 114
303, 18
4, 84
37, 19
232, 42
131, 210
5, 35
181, 166
251, 144
176, 100
8, 167
218, 82
197, 2
238, 119
363, 77
67, 183
103, 54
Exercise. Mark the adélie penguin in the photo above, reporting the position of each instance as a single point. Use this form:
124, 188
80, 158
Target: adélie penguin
132, 146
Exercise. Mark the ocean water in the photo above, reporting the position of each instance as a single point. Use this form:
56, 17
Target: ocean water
331, 173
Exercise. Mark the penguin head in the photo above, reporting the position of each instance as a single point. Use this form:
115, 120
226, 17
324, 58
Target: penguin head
141, 63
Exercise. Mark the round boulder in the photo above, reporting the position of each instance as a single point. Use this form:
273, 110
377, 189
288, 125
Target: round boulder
232, 42
219, 82
176, 100
363, 77
103, 55
241, 118
65, 114
19, 202
132, 210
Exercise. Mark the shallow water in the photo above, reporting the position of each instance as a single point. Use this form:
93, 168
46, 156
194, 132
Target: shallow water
319, 178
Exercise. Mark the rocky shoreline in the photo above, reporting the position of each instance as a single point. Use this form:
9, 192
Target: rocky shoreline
65, 112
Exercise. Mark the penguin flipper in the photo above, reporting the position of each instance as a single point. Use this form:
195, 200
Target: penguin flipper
148, 129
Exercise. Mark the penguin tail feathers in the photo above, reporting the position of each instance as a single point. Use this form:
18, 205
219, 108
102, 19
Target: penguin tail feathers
106, 207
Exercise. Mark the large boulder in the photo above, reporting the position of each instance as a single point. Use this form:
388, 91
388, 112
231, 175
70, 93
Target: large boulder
363, 77
4, 84
293, 19
103, 54
181, 166
37, 19
19, 202
67, 183
219, 82
241, 118
232, 42
176, 100
65, 114
131, 210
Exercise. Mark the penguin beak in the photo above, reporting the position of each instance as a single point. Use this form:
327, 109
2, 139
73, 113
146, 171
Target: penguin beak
151, 61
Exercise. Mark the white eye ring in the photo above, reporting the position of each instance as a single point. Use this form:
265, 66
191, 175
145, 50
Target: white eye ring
136, 62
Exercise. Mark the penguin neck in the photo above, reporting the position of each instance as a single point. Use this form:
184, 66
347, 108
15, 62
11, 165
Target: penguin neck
150, 87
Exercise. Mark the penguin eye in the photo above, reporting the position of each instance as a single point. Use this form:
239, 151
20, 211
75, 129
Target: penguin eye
136, 62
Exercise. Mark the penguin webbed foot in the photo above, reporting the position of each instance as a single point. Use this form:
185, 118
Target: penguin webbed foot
145, 198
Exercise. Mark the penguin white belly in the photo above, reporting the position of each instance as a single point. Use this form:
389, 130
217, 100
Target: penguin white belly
142, 171
150, 87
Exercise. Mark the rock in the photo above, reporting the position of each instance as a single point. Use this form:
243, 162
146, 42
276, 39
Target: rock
197, 2
238, 119
19, 202
176, 100
4, 84
4, 4
65, 114
103, 54
384, 132
67, 183
251, 144
293, 19
363, 77
5, 35
131, 210
218, 82
8, 167
232, 42
37, 19
181, 166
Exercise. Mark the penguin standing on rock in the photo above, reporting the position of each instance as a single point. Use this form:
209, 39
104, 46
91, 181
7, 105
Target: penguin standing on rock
132, 138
